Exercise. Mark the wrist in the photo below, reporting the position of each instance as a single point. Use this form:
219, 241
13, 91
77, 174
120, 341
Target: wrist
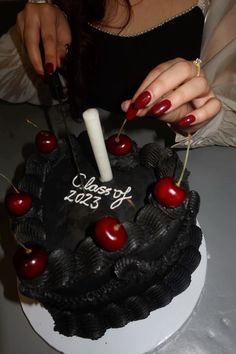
50, 2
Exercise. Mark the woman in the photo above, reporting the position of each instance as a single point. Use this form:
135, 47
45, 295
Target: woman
118, 56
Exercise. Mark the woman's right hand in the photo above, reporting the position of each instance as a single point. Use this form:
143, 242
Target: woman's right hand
47, 23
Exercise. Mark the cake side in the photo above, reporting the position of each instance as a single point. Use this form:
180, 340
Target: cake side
85, 288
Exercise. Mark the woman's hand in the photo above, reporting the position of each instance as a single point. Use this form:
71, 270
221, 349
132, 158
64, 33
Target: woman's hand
174, 92
47, 23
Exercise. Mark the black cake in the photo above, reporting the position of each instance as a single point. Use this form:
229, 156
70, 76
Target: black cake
87, 289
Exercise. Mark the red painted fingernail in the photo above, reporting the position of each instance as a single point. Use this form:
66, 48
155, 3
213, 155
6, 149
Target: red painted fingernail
131, 113
142, 100
160, 108
186, 121
49, 68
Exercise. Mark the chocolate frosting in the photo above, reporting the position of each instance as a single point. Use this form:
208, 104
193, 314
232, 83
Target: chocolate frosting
85, 288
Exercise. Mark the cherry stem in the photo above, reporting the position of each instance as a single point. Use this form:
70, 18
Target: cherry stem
120, 131
185, 160
131, 203
32, 123
27, 250
116, 227
10, 182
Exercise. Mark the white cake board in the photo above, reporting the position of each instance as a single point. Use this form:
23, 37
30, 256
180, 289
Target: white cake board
137, 337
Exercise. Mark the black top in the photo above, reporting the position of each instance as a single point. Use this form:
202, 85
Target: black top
122, 63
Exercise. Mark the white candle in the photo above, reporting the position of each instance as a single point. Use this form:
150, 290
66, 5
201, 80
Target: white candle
94, 129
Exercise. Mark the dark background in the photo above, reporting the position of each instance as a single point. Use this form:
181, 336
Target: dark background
8, 12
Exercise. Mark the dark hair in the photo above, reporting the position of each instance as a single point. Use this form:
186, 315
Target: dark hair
79, 64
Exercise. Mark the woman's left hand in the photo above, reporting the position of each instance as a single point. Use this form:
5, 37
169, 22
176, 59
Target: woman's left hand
176, 92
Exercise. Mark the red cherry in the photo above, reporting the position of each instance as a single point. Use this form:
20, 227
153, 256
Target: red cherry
110, 234
18, 203
45, 141
119, 145
168, 193
30, 262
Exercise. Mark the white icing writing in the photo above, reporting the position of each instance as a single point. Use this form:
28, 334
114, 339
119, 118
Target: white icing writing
119, 197
86, 195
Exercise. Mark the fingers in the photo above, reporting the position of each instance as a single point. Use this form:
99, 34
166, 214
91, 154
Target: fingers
49, 42
39, 23
63, 39
31, 39
198, 117
144, 95
171, 79
177, 94
154, 74
56, 36
162, 80
45, 24
62, 50
187, 92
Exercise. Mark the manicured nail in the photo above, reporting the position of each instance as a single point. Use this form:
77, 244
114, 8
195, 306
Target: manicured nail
160, 108
142, 100
131, 113
186, 121
49, 68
